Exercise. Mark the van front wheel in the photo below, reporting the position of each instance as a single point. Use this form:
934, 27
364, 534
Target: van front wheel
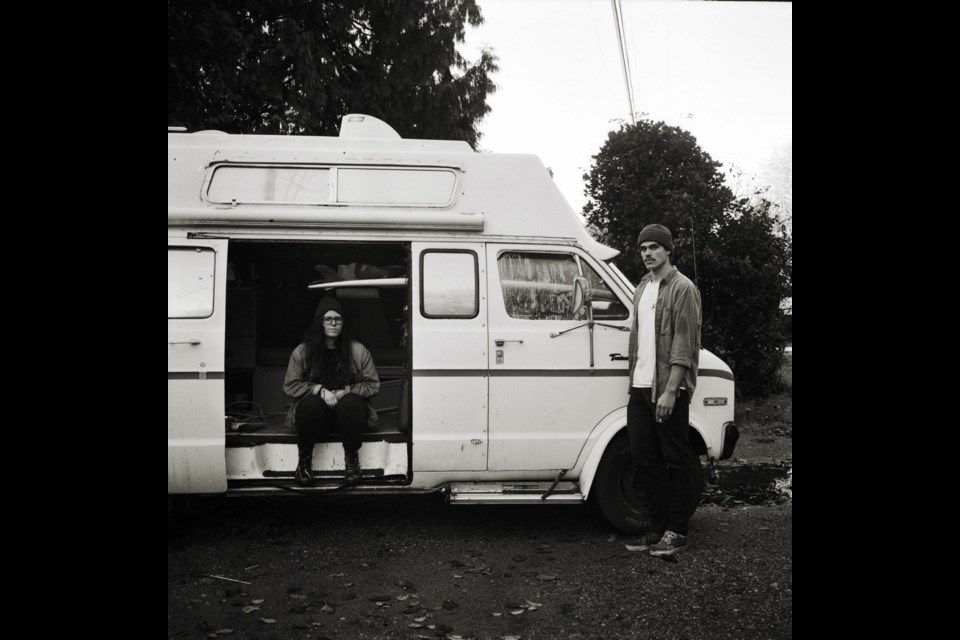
617, 491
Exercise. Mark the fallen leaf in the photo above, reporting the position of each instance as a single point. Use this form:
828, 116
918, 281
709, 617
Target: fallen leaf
612, 537
420, 619
298, 596
337, 575
327, 609
223, 632
258, 601
403, 597
268, 620
415, 625
517, 612
534, 604
457, 575
510, 604
431, 626
497, 614
248, 609
510, 638
346, 584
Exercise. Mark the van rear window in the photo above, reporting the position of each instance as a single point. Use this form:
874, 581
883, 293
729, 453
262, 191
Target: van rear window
190, 272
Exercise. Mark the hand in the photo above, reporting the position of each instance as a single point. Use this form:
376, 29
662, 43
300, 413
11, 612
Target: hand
665, 405
340, 393
329, 397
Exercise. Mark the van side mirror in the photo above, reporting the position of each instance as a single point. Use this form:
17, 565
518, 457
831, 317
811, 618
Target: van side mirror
581, 295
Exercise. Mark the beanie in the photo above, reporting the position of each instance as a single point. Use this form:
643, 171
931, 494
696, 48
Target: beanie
656, 233
327, 304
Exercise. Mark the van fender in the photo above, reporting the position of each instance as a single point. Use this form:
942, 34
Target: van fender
604, 432
596, 444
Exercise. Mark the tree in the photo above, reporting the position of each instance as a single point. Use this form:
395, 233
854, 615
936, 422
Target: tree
651, 172
298, 66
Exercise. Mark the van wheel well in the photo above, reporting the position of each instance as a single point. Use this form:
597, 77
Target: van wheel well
617, 493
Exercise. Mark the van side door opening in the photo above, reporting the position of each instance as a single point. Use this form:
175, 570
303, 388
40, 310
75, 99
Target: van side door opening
270, 303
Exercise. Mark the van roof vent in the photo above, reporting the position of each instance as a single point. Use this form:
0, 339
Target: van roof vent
358, 125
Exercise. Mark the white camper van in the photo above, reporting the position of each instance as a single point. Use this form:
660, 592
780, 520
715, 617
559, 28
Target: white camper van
498, 326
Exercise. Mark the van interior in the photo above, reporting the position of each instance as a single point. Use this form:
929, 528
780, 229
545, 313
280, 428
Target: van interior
270, 305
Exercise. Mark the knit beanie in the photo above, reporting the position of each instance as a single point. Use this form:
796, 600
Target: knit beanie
656, 233
327, 304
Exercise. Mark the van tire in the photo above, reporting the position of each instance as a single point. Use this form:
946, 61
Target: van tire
621, 503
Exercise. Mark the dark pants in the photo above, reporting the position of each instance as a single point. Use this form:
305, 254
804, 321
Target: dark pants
314, 419
664, 459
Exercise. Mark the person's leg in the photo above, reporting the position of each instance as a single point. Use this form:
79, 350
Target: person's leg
645, 451
351, 415
674, 436
310, 419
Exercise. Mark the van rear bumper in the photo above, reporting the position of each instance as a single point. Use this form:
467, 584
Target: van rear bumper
730, 436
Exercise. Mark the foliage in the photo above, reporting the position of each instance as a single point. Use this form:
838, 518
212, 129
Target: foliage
733, 248
298, 66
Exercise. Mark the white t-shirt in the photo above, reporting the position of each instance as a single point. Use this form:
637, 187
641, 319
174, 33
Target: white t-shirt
646, 336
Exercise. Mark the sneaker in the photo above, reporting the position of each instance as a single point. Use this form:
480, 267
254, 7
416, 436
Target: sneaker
669, 544
645, 541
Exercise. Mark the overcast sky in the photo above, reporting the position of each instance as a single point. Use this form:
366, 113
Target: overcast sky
721, 70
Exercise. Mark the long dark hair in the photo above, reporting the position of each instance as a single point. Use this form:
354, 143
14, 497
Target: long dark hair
314, 341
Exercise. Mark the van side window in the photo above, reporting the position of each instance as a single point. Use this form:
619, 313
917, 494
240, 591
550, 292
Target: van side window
538, 286
606, 305
449, 286
190, 273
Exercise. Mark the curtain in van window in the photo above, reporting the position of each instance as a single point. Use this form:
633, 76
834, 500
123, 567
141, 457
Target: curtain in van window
537, 286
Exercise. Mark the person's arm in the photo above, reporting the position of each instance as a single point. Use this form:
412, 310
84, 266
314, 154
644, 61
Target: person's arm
668, 398
294, 384
685, 346
368, 382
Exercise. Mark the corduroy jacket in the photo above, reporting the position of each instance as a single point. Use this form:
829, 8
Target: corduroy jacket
365, 372
678, 318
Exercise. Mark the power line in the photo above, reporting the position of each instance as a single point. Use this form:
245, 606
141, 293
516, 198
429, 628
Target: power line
624, 58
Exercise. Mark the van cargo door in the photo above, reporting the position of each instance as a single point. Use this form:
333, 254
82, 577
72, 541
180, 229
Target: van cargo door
196, 301
449, 386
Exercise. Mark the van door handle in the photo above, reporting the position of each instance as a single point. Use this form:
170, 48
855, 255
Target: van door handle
499, 341
193, 342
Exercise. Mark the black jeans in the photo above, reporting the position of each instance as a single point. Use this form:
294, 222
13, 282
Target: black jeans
664, 459
314, 419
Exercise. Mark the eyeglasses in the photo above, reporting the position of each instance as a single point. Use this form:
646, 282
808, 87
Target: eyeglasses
333, 320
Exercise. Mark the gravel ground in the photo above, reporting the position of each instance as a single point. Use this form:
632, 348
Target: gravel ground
410, 567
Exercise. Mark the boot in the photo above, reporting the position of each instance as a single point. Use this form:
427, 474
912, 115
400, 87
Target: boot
353, 467
304, 472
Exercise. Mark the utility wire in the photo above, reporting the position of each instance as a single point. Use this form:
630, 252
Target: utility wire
624, 58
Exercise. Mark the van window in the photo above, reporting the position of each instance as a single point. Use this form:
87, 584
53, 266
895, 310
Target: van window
538, 286
606, 305
289, 185
449, 287
190, 282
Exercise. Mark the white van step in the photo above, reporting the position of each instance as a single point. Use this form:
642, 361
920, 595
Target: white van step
513, 492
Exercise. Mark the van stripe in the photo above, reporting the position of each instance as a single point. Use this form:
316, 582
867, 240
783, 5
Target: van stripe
193, 375
715, 373
548, 373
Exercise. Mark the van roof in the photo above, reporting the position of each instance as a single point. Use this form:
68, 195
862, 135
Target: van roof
367, 178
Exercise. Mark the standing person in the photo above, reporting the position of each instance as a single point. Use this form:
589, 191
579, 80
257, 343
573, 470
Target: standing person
664, 355
331, 376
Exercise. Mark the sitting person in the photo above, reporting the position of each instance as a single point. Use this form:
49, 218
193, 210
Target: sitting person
332, 378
